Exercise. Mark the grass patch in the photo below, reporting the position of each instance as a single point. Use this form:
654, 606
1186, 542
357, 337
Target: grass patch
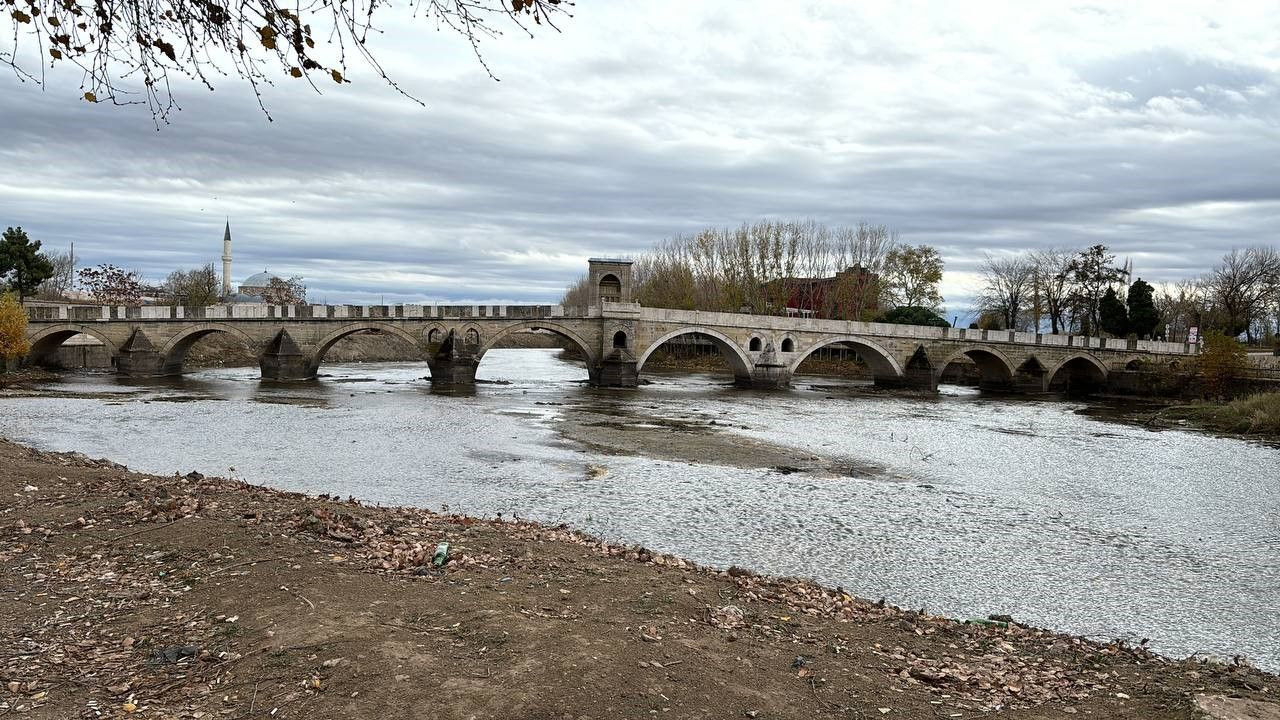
1254, 415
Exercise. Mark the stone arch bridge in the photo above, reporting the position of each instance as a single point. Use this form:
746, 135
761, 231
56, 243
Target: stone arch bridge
614, 337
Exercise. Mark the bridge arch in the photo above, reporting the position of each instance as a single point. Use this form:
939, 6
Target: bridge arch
175, 350
48, 340
556, 328
994, 367
1079, 372
736, 357
883, 364
332, 338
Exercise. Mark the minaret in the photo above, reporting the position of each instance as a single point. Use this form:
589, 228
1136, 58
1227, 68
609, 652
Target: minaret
226, 261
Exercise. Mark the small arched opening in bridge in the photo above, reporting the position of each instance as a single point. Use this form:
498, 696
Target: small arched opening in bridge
756, 344
45, 345
1078, 375
1136, 365
696, 350
985, 368
610, 288
568, 355
788, 345
620, 340
849, 356
208, 345
366, 342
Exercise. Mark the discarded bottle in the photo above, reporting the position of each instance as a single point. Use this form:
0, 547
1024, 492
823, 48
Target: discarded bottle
442, 555
988, 623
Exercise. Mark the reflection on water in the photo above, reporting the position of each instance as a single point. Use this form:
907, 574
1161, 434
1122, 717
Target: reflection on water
964, 504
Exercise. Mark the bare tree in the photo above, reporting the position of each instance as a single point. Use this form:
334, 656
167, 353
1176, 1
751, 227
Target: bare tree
1182, 306
111, 285
763, 267
1242, 287
579, 294
861, 252
1008, 287
60, 282
1052, 288
129, 49
284, 292
197, 287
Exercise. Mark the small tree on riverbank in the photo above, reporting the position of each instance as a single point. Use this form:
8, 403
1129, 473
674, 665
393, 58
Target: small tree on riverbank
1222, 362
13, 330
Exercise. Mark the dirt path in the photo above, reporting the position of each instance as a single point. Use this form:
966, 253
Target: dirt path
190, 597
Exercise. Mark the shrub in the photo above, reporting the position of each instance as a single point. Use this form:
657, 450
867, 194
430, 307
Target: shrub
1222, 362
13, 330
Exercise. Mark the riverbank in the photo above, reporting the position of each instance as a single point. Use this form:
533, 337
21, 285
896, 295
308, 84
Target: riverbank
1254, 416
26, 378
189, 596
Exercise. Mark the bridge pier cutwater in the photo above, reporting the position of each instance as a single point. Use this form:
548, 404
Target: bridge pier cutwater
613, 336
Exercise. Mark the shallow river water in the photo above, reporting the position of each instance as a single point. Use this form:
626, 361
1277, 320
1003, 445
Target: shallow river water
963, 504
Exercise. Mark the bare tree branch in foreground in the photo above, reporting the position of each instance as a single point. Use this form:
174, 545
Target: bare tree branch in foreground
129, 50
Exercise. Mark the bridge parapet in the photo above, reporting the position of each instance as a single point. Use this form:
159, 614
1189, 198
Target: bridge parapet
251, 311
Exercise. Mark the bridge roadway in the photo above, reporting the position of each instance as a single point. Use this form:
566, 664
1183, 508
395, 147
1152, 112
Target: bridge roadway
615, 340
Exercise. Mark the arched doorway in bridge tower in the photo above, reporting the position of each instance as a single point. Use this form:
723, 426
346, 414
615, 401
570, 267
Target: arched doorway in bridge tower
610, 288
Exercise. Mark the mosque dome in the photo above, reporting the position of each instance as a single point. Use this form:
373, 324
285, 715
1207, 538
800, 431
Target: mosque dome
260, 280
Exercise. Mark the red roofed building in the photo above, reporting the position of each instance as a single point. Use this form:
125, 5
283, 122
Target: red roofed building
853, 294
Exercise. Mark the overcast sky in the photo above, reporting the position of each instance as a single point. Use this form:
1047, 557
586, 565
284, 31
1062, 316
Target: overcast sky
975, 127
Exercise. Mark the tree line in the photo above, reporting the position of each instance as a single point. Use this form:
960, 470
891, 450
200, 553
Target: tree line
1086, 292
28, 271
767, 266
764, 267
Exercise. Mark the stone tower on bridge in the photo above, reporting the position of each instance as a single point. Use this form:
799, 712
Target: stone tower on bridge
610, 280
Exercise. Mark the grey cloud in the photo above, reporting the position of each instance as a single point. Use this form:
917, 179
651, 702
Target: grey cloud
501, 190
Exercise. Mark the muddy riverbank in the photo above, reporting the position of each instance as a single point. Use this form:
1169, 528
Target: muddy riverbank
191, 596
963, 503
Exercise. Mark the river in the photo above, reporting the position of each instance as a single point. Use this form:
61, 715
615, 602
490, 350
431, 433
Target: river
963, 504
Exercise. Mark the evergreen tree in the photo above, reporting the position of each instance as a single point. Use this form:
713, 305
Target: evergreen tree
1112, 316
1143, 317
22, 262
913, 315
